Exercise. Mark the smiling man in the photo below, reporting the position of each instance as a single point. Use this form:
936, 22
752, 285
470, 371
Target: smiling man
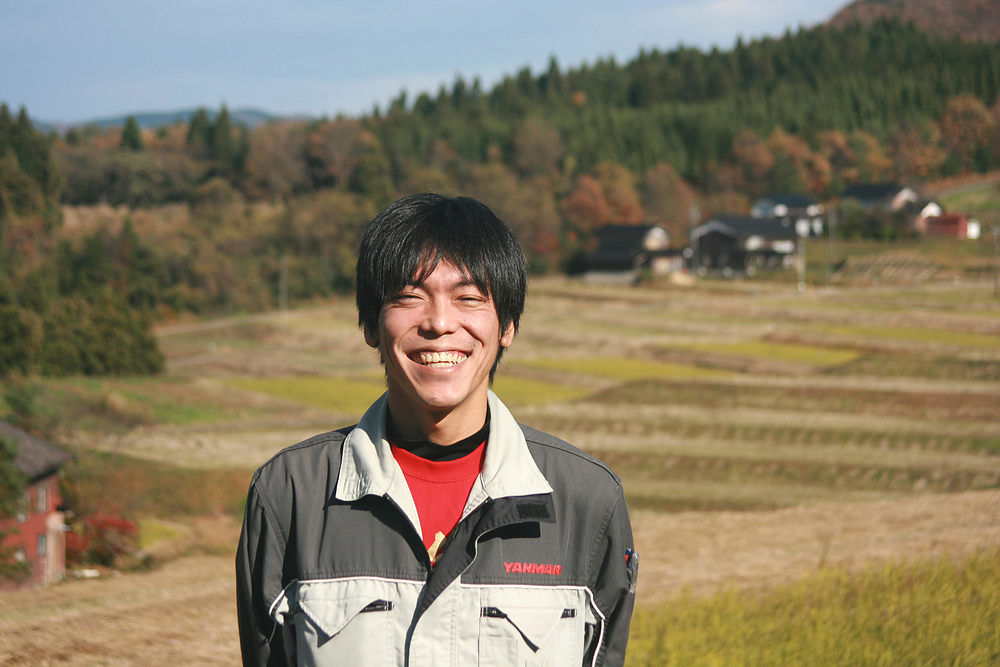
438, 530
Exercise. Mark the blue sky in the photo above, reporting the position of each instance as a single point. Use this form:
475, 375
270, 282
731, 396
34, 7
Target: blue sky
75, 60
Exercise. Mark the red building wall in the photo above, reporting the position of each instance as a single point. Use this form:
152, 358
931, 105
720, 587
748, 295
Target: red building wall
36, 534
953, 225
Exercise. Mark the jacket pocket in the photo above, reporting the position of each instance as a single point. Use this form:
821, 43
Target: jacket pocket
346, 622
532, 627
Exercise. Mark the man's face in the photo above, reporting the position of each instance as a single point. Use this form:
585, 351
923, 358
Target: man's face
439, 340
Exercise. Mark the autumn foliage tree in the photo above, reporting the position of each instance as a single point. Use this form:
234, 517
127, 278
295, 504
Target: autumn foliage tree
666, 137
966, 130
669, 200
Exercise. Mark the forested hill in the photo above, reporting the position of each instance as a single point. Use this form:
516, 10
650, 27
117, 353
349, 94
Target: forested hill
968, 19
686, 107
215, 215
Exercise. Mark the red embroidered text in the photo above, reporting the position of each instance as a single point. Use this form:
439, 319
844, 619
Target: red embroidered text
533, 568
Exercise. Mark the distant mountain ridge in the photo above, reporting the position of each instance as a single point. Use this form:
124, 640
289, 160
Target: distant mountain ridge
972, 20
152, 119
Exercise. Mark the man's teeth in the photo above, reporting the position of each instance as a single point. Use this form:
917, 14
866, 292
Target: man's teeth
440, 359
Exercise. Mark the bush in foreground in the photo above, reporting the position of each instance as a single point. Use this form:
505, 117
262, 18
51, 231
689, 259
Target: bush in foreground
102, 539
929, 613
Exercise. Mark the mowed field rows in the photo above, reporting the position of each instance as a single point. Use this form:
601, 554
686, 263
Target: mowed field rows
762, 434
727, 397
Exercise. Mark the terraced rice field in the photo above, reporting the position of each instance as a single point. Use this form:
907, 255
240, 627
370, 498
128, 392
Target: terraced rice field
729, 395
761, 434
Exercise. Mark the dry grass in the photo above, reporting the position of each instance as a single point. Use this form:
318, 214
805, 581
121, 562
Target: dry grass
702, 550
760, 434
181, 614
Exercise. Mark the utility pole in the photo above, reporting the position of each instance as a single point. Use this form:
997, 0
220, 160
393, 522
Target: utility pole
831, 234
802, 230
996, 261
283, 288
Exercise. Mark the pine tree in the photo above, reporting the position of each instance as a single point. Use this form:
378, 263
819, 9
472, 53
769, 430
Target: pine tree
132, 136
223, 145
199, 136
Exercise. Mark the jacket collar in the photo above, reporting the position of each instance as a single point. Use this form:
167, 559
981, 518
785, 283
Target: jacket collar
508, 468
368, 467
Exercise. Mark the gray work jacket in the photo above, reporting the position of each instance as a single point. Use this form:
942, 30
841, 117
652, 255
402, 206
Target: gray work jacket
331, 568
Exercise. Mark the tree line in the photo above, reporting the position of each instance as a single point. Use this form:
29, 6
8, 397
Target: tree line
64, 310
202, 216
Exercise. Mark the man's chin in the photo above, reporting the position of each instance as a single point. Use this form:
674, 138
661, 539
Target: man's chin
446, 399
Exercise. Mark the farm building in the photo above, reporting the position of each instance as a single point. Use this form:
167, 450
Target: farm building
786, 206
37, 534
920, 211
952, 225
737, 244
623, 251
881, 196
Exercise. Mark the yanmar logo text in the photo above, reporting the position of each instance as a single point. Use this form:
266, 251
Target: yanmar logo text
533, 568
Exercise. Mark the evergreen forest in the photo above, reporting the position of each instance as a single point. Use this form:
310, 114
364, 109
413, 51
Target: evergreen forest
105, 231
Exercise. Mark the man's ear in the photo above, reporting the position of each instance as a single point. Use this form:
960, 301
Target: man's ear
507, 337
370, 338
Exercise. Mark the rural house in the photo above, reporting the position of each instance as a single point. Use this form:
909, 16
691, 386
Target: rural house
787, 206
920, 211
738, 244
36, 534
881, 196
623, 251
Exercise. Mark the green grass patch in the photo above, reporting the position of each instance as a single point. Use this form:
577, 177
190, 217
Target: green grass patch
977, 201
930, 613
680, 429
623, 369
332, 393
104, 482
96, 402
806, 354
645, 468
891, 364
117, 405
353, 396
911, 335
720, 395
152, 531
514, 390
166, 409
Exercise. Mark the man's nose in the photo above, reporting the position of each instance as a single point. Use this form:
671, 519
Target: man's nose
440, 317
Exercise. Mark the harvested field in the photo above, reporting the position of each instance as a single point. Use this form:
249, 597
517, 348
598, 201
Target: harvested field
184, 612
181, 614
761, 435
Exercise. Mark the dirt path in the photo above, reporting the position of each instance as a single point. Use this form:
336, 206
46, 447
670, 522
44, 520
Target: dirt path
184, 613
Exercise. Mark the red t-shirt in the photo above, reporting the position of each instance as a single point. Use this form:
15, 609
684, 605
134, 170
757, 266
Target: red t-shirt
440, 490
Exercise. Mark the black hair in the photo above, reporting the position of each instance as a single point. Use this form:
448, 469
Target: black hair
406, 241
